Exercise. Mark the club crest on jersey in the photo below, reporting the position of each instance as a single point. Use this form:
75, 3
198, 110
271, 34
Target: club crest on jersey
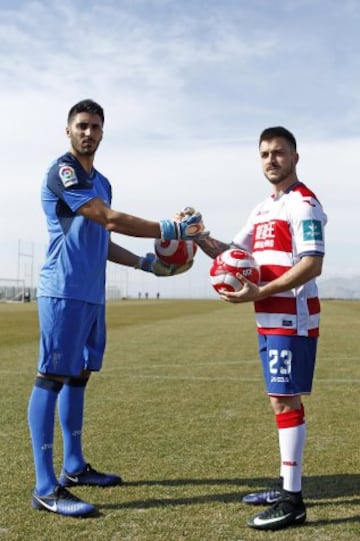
312, 230
67, 176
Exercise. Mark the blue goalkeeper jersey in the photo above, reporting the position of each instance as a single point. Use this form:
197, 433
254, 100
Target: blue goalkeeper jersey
76, 257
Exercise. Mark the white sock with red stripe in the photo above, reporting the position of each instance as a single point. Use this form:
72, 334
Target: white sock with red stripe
292, 434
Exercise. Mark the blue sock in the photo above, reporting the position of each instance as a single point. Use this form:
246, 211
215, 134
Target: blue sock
41, 418
71, 413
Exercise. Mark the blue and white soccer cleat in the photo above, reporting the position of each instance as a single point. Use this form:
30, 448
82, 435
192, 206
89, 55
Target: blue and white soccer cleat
90, 477
265, 497
62, 502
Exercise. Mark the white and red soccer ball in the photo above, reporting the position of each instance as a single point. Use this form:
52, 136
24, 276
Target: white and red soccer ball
227, 265
175, 252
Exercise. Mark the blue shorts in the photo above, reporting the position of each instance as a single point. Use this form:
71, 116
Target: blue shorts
72, 336
288, 363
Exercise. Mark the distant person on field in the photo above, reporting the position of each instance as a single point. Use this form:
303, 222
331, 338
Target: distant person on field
285, 234
76, 199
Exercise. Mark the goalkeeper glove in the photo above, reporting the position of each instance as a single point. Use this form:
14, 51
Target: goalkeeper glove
188, 225
151, 263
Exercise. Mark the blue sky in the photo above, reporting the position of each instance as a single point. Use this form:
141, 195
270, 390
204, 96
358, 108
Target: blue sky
187, 86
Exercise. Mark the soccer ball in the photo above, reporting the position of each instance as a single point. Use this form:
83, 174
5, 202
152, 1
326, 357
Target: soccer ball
227, 265
175, 252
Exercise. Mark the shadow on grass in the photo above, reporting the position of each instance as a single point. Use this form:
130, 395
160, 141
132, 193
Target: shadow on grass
322, 487
317, 487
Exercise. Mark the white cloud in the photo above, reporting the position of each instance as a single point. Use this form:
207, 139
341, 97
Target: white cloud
187, 87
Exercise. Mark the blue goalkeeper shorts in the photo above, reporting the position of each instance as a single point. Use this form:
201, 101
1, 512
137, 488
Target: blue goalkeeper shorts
72, 336
288, 363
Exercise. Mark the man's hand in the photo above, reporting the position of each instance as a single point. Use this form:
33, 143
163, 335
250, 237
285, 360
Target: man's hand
249, 292
187, 225
151, 263
188, 213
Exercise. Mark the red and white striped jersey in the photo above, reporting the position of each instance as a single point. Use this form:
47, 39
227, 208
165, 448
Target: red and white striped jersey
279, 232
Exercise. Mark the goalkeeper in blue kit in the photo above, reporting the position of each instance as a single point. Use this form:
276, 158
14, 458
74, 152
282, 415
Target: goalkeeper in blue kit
76, 200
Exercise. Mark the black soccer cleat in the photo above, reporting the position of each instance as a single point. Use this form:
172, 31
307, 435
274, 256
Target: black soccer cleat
287, 511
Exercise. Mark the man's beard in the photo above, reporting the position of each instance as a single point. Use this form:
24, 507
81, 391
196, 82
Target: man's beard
283, 175
84, 151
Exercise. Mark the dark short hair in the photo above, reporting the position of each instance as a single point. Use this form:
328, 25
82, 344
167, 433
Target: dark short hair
86, 106
278, 131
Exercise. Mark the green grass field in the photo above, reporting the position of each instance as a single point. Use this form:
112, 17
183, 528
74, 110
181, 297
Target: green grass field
180, 411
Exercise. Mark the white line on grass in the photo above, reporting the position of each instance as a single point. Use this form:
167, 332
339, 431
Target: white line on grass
212, 363
207, 378
193, 378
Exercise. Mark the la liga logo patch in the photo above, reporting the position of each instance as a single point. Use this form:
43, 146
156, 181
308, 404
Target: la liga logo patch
67, 176
312, 230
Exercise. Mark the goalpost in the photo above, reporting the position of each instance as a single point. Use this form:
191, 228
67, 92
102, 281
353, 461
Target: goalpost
13, 290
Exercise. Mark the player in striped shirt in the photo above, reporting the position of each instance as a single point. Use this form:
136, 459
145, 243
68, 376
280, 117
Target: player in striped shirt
285, 234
